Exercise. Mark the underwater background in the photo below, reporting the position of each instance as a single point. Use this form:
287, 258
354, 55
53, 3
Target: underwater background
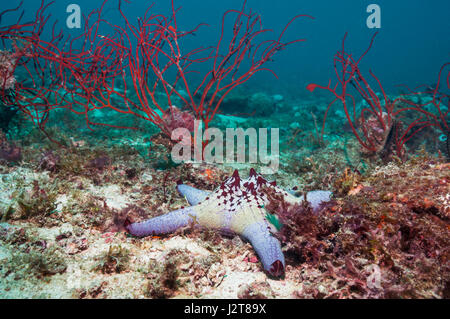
413, 41
361, 204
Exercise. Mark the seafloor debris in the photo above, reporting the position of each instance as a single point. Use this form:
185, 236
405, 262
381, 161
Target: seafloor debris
385, 234
9, 152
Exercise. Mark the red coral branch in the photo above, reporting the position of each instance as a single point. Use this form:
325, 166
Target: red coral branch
433, 113
59, 73
37, 93
372, 131
128, 69
348, 72
154, 53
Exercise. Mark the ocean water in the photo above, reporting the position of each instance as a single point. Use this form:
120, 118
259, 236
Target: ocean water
413, 37
100, 122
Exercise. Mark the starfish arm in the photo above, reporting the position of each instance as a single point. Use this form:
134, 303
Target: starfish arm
163, 224
267, 247
315, 198
193, 195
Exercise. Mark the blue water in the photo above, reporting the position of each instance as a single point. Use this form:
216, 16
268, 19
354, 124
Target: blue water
414, 39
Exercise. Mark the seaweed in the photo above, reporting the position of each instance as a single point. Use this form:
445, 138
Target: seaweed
115, 260
386, 235
37, 202
164, 280
31, 256
46, 263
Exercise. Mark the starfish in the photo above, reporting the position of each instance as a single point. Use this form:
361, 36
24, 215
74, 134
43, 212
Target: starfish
236, 206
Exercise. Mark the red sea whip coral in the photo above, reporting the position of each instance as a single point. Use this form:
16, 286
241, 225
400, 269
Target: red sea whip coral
56, 73
377, 121
22, 50
127, 69
153, 50
432, 113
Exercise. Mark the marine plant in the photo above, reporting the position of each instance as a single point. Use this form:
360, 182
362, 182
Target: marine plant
114, 260
38, 263
164, 279
164, 285
388, 237
377, 125
31, 256
126, 70
36, 201
9, 152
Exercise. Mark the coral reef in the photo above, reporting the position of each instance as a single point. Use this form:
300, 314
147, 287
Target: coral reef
376, 241
361, 208
7, 67
383, 235
175, 118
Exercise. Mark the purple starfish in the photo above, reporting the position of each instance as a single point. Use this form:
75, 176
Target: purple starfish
235, 206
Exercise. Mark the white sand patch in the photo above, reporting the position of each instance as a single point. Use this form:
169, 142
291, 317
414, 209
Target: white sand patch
231, 121
235, 280
182, 243
231, 284
61, 201
283, 288
158, 249
112, 194
49, 234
